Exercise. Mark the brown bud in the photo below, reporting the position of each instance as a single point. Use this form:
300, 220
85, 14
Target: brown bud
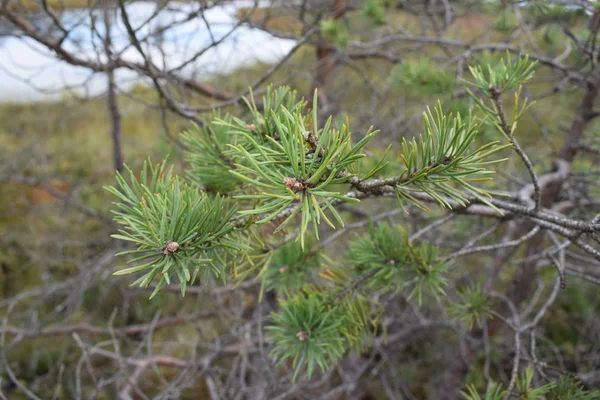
251, 127
294, 184
283, 269
302, 336
311, 140
171, 248
289, 182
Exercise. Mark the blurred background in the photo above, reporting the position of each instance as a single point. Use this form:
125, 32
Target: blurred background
88, 85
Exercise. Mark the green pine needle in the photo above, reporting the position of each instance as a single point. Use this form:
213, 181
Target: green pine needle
178, 231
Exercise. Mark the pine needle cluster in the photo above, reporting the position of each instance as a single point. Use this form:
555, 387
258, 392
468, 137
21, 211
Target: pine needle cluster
257, 189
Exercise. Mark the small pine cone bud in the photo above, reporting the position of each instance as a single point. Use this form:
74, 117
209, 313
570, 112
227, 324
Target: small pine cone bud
289, 182
283, 269
302, 336
293, 184
262, 121
310, 139
251, 127
171, 248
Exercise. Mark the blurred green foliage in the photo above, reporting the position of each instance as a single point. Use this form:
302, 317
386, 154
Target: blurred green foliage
423, 77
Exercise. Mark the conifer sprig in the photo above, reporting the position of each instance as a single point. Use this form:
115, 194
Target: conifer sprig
389, 256
296, 168
208, 156
307, 332
178, 230
278, 165
292, 267
505, 75
474, 306
314, 330
566, 388
443, 162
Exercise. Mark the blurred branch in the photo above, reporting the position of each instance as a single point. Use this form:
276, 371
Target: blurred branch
96, 330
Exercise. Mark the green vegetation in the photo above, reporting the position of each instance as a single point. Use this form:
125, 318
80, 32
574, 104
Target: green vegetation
253, 192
